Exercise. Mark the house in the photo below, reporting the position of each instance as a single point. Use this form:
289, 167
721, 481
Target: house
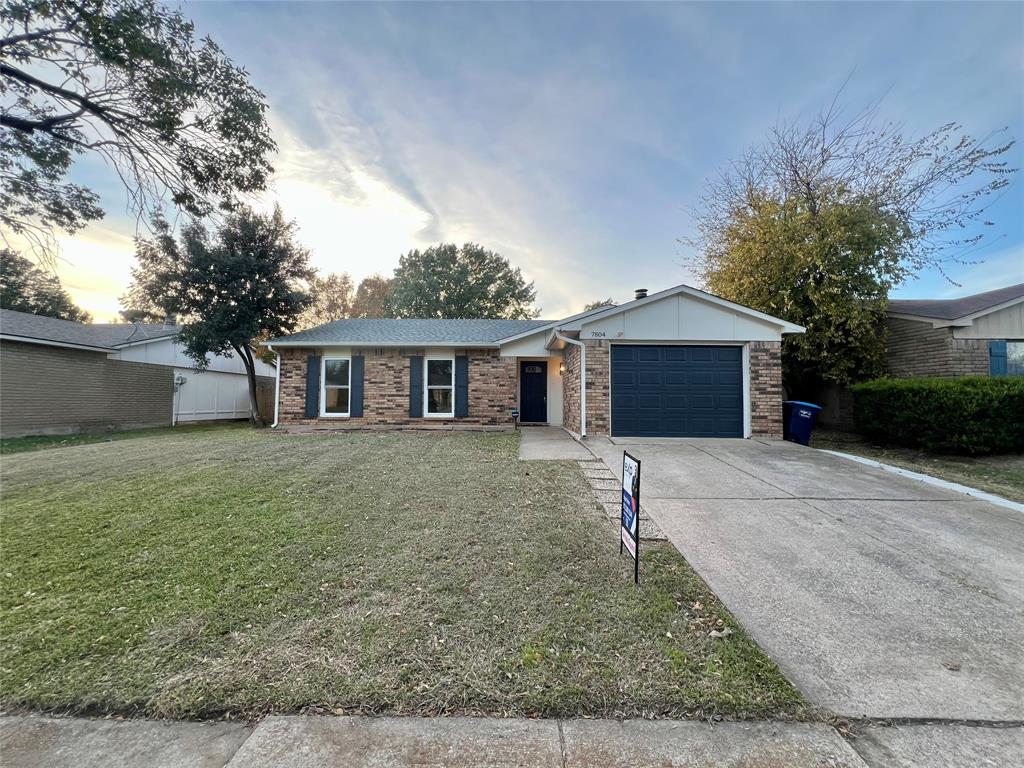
679, 363
61, 377
977, 335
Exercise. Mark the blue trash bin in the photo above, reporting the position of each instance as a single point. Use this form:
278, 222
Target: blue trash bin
798, 420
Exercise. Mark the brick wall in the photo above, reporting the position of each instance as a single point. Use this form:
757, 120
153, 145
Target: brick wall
571, 389
492, 389
916, 349
766, 388
54, 390
598, 387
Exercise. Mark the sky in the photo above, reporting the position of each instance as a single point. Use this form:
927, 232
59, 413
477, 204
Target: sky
574, 139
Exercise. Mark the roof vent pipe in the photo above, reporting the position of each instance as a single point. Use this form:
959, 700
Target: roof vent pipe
170, 320
641, 293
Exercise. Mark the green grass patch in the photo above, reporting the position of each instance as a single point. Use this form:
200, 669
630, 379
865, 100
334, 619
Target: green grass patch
240, 572
1002, 475
42, 442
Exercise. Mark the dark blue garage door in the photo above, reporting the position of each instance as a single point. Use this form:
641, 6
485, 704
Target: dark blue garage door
677, 391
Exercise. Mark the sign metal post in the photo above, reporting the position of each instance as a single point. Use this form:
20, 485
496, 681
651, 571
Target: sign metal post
629, 529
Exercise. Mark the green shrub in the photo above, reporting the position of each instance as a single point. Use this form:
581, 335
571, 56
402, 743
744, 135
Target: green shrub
973, 415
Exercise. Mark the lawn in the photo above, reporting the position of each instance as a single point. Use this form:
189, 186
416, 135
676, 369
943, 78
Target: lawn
1001, 475
238, 572
41, 442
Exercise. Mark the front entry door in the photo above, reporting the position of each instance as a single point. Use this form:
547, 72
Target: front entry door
533, 390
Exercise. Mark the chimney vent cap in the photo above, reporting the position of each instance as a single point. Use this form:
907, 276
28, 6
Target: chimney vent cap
641, 293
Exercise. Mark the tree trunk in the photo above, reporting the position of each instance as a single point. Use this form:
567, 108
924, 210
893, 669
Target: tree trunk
255, 418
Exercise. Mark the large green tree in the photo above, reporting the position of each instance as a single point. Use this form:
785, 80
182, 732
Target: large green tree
127, 81
447, 281
820, 222
230, 287
25, 287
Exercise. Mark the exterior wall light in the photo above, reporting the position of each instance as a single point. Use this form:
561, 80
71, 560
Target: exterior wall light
561, 368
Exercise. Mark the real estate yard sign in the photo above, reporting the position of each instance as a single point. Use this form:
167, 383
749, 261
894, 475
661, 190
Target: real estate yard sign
629, 533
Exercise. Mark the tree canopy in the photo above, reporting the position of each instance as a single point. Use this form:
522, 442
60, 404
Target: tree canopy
598, 304
331, 298
448, 281
128, 81
822, 220
239, 283
25, 287
372, 297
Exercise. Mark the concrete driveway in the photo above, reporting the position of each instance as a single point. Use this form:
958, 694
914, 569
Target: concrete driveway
878, 595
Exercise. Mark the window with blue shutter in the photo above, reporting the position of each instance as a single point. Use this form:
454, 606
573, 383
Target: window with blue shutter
461, 387
356, 404
312, 386
415, 387
997, 358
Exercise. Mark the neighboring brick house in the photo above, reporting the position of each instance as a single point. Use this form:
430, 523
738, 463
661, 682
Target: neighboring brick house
977, 335
61, 377
679, 363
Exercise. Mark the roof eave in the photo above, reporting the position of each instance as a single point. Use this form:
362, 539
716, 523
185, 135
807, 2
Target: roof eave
51, 343
346, 343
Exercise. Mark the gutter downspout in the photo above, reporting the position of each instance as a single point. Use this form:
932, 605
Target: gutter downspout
583, 379
277, 387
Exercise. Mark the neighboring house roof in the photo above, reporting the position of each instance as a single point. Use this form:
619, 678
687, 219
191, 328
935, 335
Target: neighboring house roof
956, 309
99, 336
442, 333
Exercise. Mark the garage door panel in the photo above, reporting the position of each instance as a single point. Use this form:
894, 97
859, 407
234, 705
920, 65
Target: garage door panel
677, 391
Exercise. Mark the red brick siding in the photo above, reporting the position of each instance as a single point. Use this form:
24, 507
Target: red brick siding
598, 388
765, 388
492, 389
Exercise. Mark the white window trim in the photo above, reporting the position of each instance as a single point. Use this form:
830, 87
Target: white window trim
427, 387
323, 387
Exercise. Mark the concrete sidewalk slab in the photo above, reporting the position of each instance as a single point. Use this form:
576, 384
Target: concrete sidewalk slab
361, 742
612, 744
29, 741
400, 742
549, 444
941, 746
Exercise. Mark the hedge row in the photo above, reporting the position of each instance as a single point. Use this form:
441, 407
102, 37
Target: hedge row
973, 415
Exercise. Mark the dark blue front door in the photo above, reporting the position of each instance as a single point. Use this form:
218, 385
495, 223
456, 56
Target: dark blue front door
677, 391
533, 391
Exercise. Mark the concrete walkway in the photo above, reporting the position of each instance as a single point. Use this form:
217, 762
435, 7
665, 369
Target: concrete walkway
550, 444
879, 596
362, 742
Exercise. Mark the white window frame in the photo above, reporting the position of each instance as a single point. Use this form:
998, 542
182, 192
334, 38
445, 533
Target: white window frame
324, 387
427, 387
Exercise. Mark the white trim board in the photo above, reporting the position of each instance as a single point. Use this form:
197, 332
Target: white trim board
991, 498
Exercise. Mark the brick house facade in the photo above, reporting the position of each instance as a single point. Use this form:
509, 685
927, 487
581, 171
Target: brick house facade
492, 389
702, 385
918, 349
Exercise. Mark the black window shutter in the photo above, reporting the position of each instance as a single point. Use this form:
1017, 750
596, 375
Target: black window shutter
461, 387
312, 386
355, 407
416, 387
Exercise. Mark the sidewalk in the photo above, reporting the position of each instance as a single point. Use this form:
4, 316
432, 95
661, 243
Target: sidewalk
385, 742
461, 742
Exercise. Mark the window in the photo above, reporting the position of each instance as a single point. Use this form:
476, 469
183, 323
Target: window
336, 378
1015, 358
440, 390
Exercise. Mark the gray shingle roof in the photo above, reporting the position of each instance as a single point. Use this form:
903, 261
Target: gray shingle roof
99, 335
951, 309
412, 332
